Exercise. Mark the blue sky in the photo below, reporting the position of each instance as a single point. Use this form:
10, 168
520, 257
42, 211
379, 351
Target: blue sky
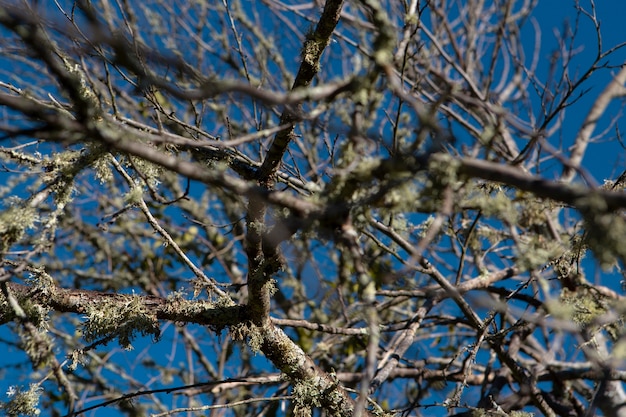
601, 157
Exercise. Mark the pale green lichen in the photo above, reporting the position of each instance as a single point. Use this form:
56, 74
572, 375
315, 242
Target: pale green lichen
61, 169
150, 172
134, 195
605, 236
568, 262
14, 221
536, 252
311, 53
271, 286
112, 319
517, 413
400, 199
444, 169
37, 344
36, 314
255, 339
240, 331
102, 168
248, 331
492, 200
589, 309
307, 393
482, 412
22, 402
585, 306
257, 226
41, 280
62, 162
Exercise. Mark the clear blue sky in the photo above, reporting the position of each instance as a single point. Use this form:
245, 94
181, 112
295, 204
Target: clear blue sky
550, 15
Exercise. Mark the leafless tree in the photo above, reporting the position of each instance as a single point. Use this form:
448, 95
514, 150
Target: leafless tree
383, 199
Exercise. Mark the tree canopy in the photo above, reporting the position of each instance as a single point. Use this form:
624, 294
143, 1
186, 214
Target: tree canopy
327, 208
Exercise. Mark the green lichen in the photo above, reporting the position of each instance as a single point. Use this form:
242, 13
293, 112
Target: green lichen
568, 263
312, 49
22, 402
311, 53
482, 412
134, 195
255, 339
14, 222
444, 169
102, 168
240, 331
605, 237
585, 304
493, 201
41, 280
307, 393
536, 252
112, 319
271, 286
150, 172
32, 329
249, 332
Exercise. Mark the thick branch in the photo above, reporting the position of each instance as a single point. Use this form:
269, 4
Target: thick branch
300, 368
540, 187
79, 301
263, 260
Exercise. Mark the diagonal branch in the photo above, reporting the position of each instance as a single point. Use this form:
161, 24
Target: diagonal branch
264, 259
613, 90
313, 48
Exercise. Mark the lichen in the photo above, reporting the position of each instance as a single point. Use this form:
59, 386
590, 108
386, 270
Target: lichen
311, 53
587, 305
307, 393
36, 342
14, 222
102, 168
134, 195
249, 332
111, 319
22, 402
536, 252
255, 339
150, 172
41, 280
